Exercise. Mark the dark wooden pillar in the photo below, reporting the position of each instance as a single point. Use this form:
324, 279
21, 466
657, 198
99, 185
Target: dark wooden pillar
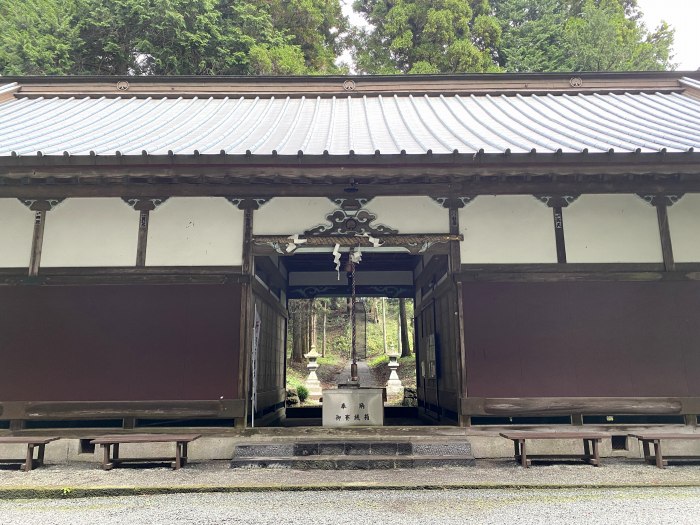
247, 302
40, 208
457, 320
558, 203
661, 203
144, 206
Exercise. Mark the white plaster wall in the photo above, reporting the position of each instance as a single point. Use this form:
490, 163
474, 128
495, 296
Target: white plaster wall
611, 229
507, 229
290, 215
684, 223
90, 232
195, 231
410, 214
16, 230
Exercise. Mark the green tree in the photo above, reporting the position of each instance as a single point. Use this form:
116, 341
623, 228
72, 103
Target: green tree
185, 37
603, 38
169, 37
579, 35
532, 34
426, 36
37, 37
316, 26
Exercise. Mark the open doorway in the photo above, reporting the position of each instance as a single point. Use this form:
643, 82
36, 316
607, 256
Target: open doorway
308, 287
320, 329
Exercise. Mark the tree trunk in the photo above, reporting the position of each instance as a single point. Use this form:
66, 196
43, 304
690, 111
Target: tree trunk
312, 322
306, 327
297, 335
384, 322
405, 346
323, 341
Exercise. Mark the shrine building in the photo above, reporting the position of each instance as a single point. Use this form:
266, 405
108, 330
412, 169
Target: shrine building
547, 227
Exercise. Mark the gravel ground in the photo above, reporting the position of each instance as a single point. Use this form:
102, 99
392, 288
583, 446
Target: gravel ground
525, 506
487, 472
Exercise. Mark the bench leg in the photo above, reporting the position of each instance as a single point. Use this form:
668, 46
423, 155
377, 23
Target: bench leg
645, 449
115, 451
40, 455
523, 454
29, 459
596, 451
178, 457
106, 463
184, 454
659, 455
586, 451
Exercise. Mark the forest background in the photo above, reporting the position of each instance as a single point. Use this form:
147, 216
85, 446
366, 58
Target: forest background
295, 37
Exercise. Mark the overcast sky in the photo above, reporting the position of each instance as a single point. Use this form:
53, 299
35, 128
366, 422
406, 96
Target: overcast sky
683, 15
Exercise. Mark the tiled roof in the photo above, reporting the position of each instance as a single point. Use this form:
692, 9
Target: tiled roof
441, 124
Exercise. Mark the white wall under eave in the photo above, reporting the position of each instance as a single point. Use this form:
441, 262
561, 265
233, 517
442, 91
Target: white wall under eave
410, 214
16, 230
88, 232
290, 215
507, 229
195, 231
684, 223
611, 229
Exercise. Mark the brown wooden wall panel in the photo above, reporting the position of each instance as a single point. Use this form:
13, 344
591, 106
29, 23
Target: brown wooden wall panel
271, 371
597, 339
119, 343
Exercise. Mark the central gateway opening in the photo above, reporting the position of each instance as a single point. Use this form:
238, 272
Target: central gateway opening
405, 339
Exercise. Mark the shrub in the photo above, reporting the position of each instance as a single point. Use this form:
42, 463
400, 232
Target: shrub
302, 392
377, 361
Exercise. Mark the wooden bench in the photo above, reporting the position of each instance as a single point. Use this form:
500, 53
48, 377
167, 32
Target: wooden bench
654, 438
110, 447
32, 442
591, 442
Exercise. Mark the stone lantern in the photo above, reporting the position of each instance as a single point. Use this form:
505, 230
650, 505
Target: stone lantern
394, 386
312, 383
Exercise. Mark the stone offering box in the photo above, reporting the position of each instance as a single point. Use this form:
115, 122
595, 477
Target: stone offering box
353, 407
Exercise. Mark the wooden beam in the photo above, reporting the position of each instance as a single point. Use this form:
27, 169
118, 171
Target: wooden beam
142, 239
347, 85
548, 406
39, 207
267, 297
116, 276
665, 234
578, 276
559, 233
247, 309
37, 242
571, 268
427, 182
38, 410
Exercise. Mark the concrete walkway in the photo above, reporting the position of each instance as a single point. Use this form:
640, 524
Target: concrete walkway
87, 479
363, 372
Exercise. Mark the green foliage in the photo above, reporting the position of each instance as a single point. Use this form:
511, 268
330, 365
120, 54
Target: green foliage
602, 38
579, 35
37, 37
302, 392
377, 361
329, 360
422, 36
168, 37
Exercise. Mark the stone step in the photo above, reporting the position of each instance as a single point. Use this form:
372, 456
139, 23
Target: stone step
354, 448
347, 462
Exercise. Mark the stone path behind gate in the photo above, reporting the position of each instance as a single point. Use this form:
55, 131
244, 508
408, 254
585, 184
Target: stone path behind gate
363, 372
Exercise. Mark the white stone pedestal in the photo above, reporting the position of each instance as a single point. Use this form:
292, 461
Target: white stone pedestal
352, 407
